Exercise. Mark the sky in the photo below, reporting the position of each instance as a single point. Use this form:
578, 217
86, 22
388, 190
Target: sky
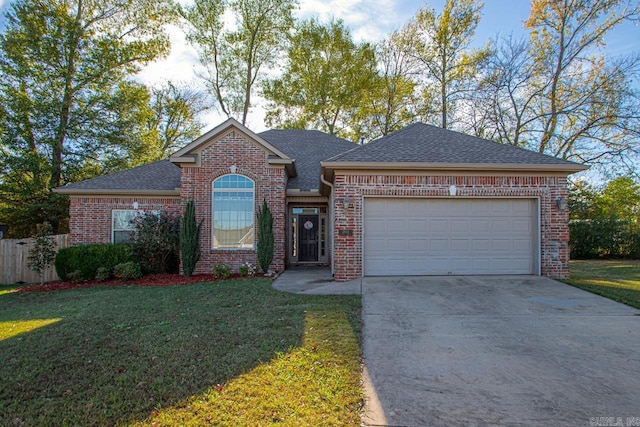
369, 20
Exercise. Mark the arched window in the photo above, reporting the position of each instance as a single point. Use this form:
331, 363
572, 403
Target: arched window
233, 211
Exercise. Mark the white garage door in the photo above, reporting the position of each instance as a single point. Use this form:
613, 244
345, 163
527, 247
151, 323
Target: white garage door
449, 236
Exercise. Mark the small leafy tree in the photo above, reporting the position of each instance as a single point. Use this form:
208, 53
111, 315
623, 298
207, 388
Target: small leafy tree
265, 237
189, 239
155, 244
44, 251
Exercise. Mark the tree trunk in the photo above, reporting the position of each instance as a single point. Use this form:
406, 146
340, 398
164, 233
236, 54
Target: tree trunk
57, 146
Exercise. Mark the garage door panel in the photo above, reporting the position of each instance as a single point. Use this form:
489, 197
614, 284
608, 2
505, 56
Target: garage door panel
500, 245
397, 245
481, 245
522, 245
418, 244
460, 226
449, 236
480, 225
460, 245
439, 245
521, 226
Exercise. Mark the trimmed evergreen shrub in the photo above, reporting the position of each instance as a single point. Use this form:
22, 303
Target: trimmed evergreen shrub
265, 237
87, 259
189, 239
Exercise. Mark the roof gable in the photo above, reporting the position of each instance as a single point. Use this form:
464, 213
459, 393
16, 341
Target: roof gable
188, 154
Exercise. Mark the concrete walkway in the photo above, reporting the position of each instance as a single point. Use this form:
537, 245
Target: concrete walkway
315, 281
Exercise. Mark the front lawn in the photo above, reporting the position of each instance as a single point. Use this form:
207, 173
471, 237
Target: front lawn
618, 280
226, 353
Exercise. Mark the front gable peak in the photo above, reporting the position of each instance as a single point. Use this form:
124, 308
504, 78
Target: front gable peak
189, 154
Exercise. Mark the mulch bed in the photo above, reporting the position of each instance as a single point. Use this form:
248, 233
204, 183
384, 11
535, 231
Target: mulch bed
150, 280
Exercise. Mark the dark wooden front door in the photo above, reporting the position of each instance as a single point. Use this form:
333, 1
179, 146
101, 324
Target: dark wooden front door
308, 238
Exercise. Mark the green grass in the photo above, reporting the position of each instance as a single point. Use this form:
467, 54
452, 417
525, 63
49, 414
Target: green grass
230, 353
618, 280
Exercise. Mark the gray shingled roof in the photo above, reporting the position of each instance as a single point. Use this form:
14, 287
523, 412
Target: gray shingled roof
308, 148
424, 143
161, 175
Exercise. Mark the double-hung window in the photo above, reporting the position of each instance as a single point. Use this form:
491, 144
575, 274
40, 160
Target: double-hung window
233, 212
123, 228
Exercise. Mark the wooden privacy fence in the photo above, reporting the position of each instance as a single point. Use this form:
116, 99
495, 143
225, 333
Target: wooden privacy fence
13, 261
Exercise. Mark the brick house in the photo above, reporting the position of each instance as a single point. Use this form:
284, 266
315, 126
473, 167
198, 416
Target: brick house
421, 201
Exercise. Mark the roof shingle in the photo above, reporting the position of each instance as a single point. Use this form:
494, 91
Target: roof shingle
308, 148
422, 143
157, 176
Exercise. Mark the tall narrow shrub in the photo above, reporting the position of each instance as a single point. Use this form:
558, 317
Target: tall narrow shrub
189, 239
265, 237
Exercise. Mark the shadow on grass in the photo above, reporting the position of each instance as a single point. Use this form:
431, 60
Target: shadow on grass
122, 355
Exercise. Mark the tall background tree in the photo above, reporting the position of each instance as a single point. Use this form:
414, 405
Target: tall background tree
324, 81
173, 121
441, 45
584, 99
64, 95
235, 55
390, 101
559, 94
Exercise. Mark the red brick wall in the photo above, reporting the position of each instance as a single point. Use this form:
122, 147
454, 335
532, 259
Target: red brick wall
234, 149
90, 217
554, 228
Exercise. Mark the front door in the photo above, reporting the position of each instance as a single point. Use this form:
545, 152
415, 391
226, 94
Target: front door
308, 238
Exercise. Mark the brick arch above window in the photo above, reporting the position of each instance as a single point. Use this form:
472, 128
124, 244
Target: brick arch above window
239, 171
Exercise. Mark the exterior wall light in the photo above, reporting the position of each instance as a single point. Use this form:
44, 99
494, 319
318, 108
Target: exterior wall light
562, 204
346, 202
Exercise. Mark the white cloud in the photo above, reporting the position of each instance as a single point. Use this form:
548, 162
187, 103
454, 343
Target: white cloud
368, 21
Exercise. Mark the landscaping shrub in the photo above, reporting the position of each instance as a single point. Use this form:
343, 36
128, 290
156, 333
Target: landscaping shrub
103, 273
127, 270
247, 269
156, 240
75, 276
88, 259
221, 271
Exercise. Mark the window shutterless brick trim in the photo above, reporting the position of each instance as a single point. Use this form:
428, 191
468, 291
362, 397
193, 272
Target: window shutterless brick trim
554, 228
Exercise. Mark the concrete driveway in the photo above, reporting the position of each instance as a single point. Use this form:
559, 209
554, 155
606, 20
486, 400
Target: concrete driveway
514, 350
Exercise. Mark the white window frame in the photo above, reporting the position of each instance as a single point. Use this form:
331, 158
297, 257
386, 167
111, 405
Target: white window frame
113, 226
253, 204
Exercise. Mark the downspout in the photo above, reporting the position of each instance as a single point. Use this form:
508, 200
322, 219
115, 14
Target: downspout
331, 204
